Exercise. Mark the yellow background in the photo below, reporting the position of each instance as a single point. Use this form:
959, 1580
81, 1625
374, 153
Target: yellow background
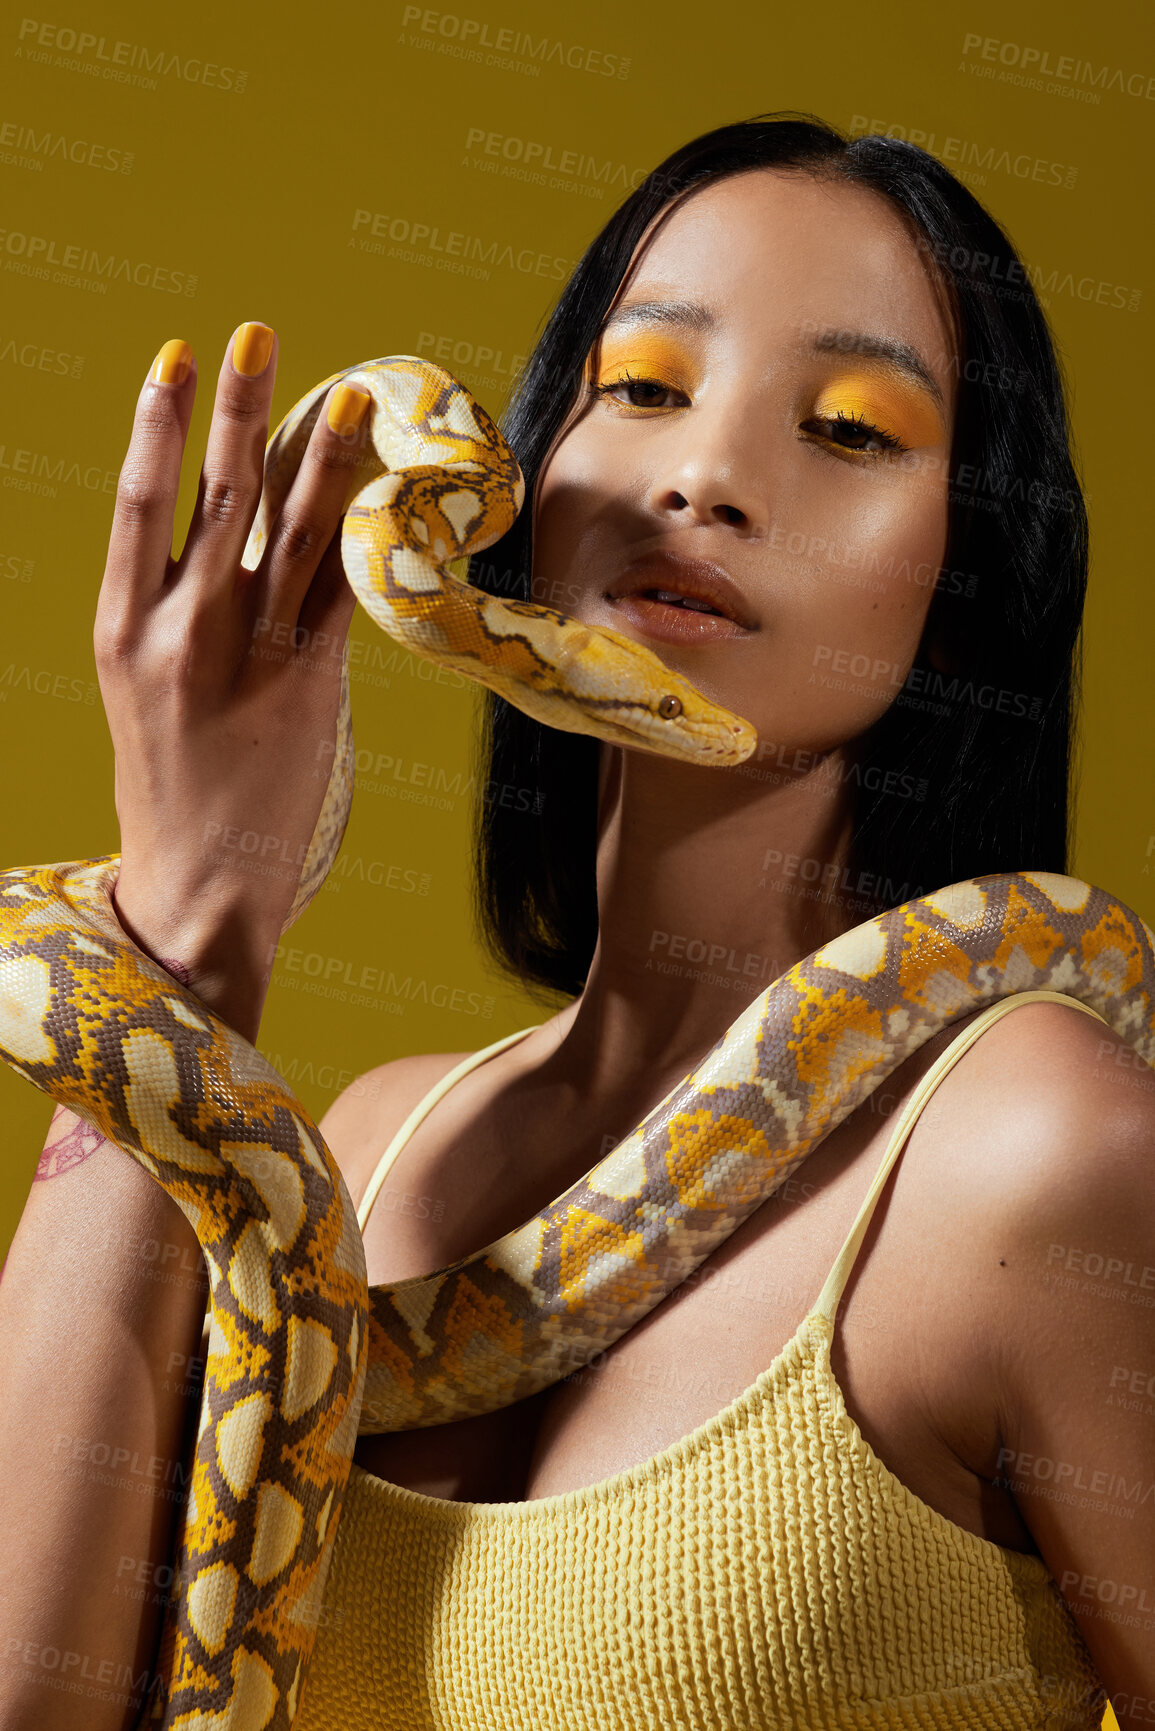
253, 192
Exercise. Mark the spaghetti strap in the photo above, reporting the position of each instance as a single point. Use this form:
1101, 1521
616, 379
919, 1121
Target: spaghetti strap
421, 1111
831, 1294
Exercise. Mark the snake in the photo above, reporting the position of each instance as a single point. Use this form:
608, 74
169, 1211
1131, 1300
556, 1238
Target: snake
302, 1355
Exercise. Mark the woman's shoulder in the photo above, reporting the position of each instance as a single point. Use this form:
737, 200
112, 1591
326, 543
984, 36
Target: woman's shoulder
1035, 1147
1042, 1150
1057, 1117
1050, 1112
1064, 1089
363, 1120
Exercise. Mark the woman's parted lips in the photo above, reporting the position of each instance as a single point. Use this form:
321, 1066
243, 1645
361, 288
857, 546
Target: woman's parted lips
696, 579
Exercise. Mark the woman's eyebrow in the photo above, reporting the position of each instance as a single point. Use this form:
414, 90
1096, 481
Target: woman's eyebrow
685, 313
869, 348
691, 315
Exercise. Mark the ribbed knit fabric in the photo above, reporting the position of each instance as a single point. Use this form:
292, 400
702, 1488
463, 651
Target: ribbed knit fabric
765, 1571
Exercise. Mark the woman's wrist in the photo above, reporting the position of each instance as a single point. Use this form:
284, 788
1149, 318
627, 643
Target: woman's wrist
222, 953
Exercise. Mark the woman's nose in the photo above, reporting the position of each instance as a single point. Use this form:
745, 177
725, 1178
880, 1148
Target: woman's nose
715, 471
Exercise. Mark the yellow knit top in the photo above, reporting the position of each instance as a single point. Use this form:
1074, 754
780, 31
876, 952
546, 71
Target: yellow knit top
765, 1571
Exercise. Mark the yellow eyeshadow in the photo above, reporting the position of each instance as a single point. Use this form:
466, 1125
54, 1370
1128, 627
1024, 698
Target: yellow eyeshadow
909, 414
645, 357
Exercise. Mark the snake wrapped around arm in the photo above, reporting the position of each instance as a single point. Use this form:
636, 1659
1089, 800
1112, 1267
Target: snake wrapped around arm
301, 1352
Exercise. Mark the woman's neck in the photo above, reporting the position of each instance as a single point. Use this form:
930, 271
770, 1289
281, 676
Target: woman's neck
710, 885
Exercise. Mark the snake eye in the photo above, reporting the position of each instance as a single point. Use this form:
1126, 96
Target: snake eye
669, 707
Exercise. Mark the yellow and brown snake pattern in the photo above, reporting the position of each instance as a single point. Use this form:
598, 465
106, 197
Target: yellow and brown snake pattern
301, 1353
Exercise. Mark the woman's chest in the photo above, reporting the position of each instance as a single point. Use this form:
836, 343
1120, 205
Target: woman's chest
906, 1371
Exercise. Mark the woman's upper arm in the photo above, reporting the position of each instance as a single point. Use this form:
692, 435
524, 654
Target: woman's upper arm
1077, 1350
101, 1306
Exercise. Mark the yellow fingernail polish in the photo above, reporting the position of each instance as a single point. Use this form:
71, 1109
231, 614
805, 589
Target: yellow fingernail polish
172, 363
252, 346
347, 408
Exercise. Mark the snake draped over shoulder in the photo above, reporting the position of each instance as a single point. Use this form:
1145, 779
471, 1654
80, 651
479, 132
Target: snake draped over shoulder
301, 1352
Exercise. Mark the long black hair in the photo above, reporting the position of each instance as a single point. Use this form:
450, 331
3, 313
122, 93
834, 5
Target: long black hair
968, 770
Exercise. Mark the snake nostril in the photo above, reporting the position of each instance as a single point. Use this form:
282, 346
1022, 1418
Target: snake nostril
669, 707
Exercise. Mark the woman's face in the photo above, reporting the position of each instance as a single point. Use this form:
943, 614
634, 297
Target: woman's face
763, 433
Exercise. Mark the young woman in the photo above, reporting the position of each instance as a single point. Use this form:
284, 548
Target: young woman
796, 424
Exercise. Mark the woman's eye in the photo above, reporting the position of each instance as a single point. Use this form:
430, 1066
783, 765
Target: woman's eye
854, 433
640, 393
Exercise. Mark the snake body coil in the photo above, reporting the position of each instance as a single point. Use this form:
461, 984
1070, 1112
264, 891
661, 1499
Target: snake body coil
301, 1352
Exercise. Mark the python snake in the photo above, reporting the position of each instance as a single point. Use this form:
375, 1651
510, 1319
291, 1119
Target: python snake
301, 1353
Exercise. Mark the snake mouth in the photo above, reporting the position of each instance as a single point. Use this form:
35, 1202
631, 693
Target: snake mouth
695, 742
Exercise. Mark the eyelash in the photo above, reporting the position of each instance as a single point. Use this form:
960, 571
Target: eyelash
889, 441
858, 423
629, 380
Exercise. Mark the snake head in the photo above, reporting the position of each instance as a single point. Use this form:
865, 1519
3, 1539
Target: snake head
437, 482
652, 708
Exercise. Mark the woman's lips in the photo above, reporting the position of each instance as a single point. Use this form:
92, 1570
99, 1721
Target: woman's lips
673, 623
680, 600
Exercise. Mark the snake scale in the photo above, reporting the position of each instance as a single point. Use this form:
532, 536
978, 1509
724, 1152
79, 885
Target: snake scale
301, 1353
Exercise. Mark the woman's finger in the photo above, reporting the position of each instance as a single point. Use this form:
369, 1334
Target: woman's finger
308, 520
230, 483
327, 610
140, 543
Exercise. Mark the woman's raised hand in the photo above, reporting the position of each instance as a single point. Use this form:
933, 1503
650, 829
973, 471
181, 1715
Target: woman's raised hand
222, 685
